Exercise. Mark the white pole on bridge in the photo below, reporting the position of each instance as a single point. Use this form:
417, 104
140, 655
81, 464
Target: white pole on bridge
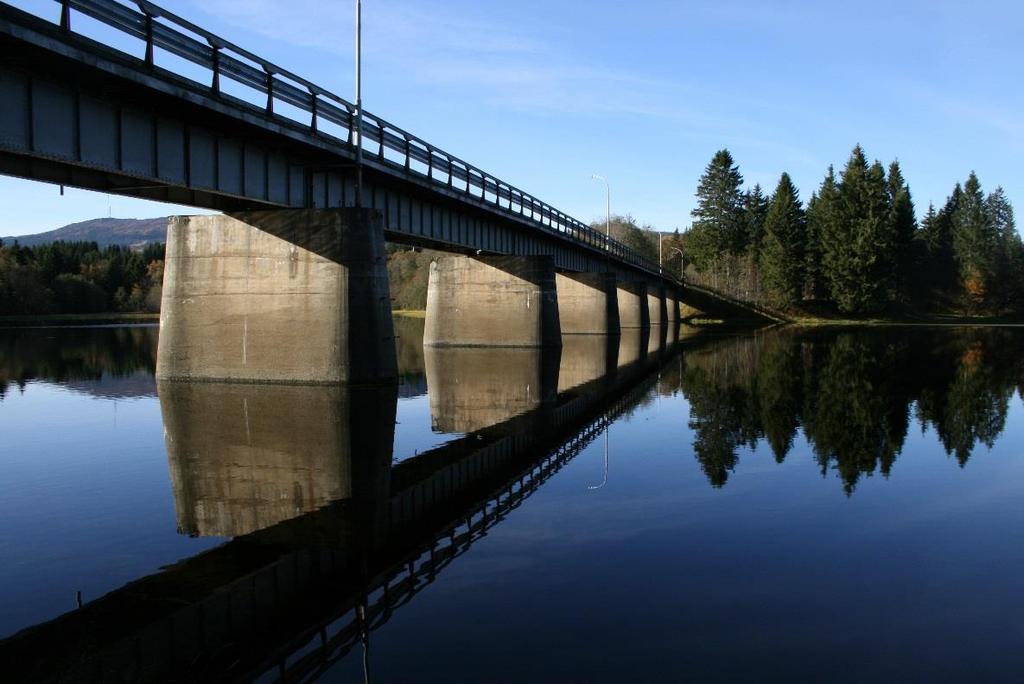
359, 104
607, 210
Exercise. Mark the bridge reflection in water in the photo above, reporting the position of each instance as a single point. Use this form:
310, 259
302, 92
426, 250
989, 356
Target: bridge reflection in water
329, 537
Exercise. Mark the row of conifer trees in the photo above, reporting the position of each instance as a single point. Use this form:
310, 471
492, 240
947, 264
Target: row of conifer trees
856, 246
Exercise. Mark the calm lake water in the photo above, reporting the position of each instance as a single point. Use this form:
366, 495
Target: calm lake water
785, 504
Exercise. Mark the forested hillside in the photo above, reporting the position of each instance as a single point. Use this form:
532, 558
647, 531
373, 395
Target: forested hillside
79, 277
102, 231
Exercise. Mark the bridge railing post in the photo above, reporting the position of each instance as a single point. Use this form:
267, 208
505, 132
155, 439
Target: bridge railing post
149, 32
215, 80
313, 111
270, 90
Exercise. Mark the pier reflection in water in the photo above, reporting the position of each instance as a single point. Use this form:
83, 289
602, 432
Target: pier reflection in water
243, 457
472, 388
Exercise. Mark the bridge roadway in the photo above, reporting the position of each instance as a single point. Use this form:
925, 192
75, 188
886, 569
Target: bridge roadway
290, 598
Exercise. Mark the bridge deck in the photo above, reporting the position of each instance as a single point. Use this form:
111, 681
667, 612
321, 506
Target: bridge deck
82, 113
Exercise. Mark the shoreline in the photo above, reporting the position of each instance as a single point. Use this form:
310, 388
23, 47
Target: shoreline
77, 320
72, 320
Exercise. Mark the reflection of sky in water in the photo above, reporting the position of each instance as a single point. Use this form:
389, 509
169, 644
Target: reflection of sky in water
413, 432
85, 499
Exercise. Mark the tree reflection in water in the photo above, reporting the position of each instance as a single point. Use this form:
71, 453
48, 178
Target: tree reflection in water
852, 392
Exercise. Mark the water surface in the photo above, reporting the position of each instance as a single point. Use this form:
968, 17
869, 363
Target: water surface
781, 504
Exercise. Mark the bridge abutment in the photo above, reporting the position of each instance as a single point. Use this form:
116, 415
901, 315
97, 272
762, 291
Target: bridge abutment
587, 303
294, 296
632, 303
492, 301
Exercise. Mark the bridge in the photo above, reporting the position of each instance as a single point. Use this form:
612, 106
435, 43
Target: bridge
294, 590
272, 289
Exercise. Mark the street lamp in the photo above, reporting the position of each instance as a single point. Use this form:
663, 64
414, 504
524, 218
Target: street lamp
607, 210
682, 263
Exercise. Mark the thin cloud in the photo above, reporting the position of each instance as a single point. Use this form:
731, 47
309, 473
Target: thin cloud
501, 65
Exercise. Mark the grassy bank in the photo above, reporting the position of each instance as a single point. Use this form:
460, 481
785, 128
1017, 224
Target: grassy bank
77, 319
936, 320
410, 313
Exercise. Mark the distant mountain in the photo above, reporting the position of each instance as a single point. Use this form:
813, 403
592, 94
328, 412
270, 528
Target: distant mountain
105, 231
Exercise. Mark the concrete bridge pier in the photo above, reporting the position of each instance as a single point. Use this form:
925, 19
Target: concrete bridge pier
492, 301
632, 302
672, 307
656, 305
290, 296
587, 303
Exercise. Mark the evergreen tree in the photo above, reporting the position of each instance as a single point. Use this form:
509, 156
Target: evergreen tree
974, 243
856, 241
755, 209
782, 259
820, 210
928, 233
880, 231
1000, 212
941, 262
719, 211
904, 227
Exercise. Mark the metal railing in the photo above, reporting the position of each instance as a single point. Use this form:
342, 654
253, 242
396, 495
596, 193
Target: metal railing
159, 28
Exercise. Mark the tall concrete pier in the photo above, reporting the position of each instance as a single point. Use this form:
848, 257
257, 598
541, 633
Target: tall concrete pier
277, 296
632, 301
656, 305
672, 306
492, 302
588, 303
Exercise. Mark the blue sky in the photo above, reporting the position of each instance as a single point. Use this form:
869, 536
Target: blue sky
544, 94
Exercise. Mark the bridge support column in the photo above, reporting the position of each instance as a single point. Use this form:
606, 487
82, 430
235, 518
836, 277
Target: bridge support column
632, 300
587, 303
492, 302
656, 305
672, 306
291, 295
